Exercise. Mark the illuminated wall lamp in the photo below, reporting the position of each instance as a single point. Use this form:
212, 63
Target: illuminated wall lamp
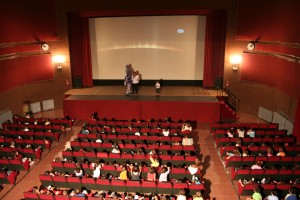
59, 60
235, 60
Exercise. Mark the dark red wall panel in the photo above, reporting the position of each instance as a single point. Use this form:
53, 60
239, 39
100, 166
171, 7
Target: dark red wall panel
272, 71
25, 70
30, 20
268, 20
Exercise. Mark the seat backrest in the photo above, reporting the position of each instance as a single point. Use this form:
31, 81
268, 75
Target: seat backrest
30, 195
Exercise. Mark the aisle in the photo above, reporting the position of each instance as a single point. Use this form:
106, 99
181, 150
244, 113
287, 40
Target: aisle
217, 182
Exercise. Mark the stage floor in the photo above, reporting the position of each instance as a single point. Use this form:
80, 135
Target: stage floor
193, 103
145, 91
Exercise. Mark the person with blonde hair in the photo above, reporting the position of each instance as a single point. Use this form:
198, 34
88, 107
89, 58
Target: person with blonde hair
198, 196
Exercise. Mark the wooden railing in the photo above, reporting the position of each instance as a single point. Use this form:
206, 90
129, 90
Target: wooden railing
228, 97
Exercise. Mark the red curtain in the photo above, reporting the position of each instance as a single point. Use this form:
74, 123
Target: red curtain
80, 56
296, 130
214, 48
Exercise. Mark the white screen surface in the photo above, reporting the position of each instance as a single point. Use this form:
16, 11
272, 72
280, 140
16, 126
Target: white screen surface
151, 44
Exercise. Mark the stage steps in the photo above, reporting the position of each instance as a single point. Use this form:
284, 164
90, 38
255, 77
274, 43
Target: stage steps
227, 114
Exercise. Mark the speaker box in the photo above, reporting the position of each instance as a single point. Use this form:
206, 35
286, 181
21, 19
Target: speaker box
77, 82
218, 83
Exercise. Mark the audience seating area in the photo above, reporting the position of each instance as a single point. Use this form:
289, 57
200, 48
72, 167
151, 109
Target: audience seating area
20, 148
239, 154
86, 150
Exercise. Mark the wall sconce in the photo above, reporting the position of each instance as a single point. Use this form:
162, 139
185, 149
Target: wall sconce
59, 60
235, 60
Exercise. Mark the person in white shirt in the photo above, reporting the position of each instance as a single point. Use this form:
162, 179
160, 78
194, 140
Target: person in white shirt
186, 127
166, 132
78, 172
97, 171
135, 82
163, 177
241, 132
157, 88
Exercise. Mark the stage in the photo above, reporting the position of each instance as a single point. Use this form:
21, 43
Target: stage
182, 102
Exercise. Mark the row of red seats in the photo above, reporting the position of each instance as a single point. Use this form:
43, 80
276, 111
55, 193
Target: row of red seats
290, 150
267, 188
33, 127
113, 137
41, 121
140, 124
8, 177
76, 145
215, 126
53, 136
119, 185
15, 164
278, 174
123, 157
63, 167
269, 161
35, 143
226, 141
258, 133
132, 131
27, 152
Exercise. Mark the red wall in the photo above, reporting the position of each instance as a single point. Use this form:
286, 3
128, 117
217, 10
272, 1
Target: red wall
25, 70
27, 21
269, 20
24, 24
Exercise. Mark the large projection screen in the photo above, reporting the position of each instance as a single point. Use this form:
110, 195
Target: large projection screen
159, 47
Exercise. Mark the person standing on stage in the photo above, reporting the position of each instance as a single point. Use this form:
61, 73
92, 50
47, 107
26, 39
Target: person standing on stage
157, 88
128, 79
135, 82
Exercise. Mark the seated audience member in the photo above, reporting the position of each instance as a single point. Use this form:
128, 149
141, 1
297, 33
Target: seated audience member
124, 173
270, 152
84, 130
135, 172
113, 130
251, 133
186, 128
256, 195
115, 149
78, 172
194, 168
246, 152
153, 159
198, 196
239, 142
26, 128
137, 132
181, 195
241, 132
141, 150
272, 196
281, 152
18, 155
47, 122
258, 165
230, 133
292, 195
236, 152
166, 132
187, 140
12, 144
151, 175
163, 177
97, 170
79, 193
99, 139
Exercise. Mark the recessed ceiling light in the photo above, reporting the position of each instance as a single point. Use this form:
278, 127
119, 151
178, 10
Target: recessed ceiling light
180, 30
